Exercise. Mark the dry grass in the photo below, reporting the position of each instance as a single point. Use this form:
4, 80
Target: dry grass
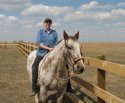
114, 52
15, 86
14, 81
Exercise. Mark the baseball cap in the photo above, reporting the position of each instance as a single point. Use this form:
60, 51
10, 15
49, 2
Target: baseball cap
48, 20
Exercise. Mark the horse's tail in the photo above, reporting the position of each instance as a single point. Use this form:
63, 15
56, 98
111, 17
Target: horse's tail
30, 60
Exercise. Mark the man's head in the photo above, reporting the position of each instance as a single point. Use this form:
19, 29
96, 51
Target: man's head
47, 23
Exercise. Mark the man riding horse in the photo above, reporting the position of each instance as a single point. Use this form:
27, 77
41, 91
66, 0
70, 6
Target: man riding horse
46, 40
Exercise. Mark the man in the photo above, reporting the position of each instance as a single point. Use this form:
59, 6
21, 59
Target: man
46, 40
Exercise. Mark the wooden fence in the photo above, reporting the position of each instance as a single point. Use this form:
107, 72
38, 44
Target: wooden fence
3, 45
101, 66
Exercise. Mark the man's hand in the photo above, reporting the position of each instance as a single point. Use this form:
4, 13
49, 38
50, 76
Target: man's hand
45, 47
50, 49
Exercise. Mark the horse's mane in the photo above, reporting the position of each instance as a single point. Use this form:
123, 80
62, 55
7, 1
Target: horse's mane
55, 47
59, 42
51, 52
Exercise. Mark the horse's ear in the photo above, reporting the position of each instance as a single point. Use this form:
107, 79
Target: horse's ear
77, 35
65, 35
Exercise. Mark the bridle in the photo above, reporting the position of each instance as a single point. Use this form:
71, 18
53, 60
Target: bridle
74, 63
74, 60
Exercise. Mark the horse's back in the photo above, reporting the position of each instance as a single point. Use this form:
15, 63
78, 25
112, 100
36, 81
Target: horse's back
30, 60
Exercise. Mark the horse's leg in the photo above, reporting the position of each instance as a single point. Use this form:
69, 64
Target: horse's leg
36, 98
60, 95
43, 94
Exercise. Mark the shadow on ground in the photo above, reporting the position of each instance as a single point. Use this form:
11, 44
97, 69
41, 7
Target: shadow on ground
81, 95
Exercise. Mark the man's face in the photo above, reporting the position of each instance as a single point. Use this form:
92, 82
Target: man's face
47, 25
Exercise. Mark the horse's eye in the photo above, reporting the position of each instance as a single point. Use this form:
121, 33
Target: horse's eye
70, 47
81, 53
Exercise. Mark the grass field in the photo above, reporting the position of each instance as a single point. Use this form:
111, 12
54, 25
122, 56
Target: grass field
14, 81
114, 52
14, 84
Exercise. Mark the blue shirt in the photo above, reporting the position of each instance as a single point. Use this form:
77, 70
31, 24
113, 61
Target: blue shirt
47, 38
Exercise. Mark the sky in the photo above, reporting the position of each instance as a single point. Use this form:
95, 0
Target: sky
96, 20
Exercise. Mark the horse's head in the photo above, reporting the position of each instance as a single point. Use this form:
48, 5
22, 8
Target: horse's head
74, 52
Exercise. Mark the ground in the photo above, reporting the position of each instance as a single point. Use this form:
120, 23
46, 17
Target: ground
16, 88
114, 52
14, 84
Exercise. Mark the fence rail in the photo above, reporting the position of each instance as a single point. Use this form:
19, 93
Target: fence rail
101, 66
118, 69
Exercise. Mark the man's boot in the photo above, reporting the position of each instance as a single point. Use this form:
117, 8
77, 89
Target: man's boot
69, 88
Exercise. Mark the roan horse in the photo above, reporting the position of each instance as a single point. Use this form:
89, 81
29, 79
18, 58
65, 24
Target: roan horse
52, 73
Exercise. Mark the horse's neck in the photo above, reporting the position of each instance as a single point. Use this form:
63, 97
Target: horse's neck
59, 51
59, 59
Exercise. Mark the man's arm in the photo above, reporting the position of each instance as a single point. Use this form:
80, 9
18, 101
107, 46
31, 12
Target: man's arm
45, 47
40, 43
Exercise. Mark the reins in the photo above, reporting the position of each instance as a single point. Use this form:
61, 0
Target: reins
63, 79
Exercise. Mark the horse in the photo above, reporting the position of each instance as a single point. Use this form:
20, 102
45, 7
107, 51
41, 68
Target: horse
52, 71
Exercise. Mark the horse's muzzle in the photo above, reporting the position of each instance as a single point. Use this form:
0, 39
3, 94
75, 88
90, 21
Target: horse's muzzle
78, 69
79, 66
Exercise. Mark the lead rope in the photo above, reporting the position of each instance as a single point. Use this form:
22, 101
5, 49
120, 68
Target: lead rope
64, 79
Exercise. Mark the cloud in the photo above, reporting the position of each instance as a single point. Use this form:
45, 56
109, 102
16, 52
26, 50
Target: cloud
7, 19
89, 15
118, 12
2, 16
106, 16
38, 25
95, 15
105, 7
12, 18
15, 2
56, 24
28, 26
122, 24
40, 10
121, 4
9, 5
95, 5
94, 11
90, 5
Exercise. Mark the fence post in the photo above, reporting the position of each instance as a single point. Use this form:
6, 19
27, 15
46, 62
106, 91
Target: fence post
0, 44
101, 79
26, 47
5, 45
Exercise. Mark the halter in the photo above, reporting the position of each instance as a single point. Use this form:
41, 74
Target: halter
71, 72
77, 59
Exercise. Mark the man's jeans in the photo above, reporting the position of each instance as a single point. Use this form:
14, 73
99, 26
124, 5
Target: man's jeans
35, 72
